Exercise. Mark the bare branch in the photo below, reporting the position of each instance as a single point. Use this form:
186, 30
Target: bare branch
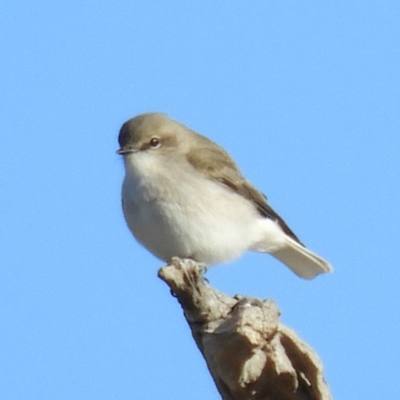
249, 353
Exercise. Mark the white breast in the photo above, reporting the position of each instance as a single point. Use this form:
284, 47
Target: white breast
178, 212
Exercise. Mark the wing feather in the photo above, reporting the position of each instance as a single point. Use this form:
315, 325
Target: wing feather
215, 163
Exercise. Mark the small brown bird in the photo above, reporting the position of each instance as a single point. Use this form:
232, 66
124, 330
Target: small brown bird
184, 196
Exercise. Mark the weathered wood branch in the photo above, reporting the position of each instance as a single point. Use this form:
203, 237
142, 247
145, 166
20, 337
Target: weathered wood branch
249, 353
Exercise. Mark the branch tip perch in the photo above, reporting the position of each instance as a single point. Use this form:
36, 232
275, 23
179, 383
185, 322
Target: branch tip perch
249, 353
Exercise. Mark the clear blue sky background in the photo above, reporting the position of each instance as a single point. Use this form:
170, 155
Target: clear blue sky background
306, 97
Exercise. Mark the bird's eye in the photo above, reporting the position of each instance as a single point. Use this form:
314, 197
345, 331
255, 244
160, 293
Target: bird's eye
154, 143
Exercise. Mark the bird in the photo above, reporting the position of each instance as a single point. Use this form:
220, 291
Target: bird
184, 196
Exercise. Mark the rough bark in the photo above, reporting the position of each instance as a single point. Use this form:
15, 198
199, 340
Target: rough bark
249, 353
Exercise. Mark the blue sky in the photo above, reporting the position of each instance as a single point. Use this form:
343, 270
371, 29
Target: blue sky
306, 98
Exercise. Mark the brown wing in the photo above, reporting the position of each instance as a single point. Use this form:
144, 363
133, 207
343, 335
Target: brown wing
218, 165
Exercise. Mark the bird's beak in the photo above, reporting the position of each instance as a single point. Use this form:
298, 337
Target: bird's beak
124, 151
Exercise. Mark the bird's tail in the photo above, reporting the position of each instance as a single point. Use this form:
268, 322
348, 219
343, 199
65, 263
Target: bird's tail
300, 260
